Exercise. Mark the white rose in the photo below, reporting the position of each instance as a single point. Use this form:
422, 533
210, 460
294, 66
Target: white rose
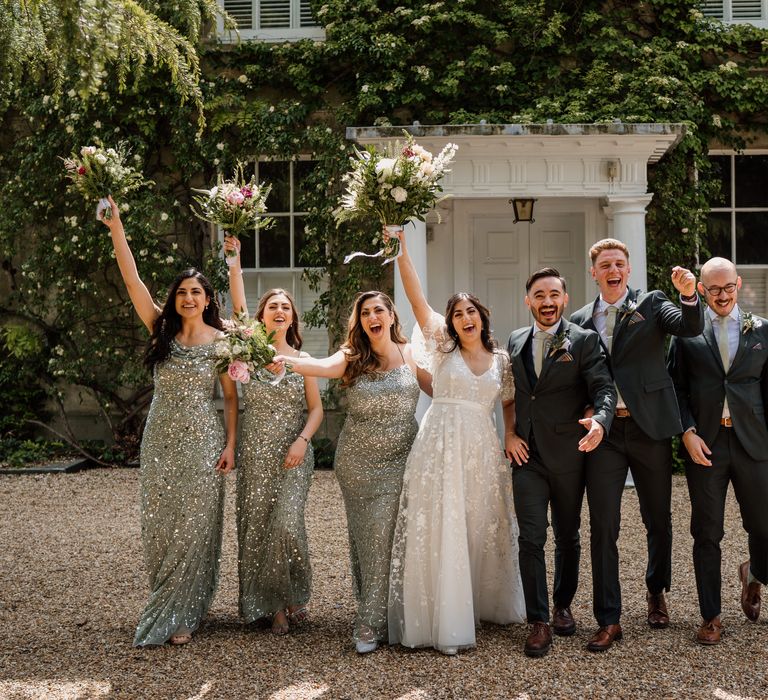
220, 146
97, 124
100, 158
399, 194
384, 168
426, 169
243, 78
163, 217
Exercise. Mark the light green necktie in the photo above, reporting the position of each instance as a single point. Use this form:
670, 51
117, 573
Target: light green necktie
725, 354
538, 358
722, 342
610, 324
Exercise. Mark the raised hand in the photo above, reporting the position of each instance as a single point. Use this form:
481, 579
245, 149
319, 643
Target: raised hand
684, 281
114, 222
232, 244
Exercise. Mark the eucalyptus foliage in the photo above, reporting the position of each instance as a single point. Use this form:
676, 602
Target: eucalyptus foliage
382, 63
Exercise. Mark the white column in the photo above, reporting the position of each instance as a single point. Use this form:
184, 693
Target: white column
626, 221
416, 240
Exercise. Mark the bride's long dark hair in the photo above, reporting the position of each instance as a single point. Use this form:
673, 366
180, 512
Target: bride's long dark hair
168, 323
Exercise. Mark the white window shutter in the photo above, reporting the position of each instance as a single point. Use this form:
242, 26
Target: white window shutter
241, 11
746, 9
712, 8
274, 14
305, 14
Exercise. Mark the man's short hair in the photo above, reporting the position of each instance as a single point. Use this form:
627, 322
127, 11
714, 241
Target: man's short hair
607, 244
544, 272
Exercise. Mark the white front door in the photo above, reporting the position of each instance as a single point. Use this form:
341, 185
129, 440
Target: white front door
505, 254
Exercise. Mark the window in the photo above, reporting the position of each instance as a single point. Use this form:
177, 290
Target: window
737, 11
272, 258
273, 20
737, 228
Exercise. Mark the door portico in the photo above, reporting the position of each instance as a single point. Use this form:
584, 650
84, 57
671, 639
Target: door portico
590, 181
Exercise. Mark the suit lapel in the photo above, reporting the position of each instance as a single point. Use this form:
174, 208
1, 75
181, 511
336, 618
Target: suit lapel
589, 324
549, 357
516, 358
623, 321
741, 348
711, 339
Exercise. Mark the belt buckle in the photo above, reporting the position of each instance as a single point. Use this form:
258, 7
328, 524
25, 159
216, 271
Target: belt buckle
726, 422
622, 413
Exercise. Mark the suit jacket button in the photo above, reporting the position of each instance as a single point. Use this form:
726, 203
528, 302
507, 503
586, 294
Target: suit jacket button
533, 397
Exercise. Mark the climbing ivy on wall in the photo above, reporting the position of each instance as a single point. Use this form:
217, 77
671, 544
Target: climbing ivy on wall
382, 63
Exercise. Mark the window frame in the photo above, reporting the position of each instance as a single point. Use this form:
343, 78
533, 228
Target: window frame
292, 33
727, 14
290, 215
733, 209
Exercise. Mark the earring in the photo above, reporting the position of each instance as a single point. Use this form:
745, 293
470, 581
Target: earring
206, 307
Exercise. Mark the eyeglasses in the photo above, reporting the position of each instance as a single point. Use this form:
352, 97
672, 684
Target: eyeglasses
717, 291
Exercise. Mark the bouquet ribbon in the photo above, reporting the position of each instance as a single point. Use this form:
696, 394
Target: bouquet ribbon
381, 253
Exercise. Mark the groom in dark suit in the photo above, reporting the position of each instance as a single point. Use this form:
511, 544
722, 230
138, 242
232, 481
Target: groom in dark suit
559, 370
721, 380
633, 328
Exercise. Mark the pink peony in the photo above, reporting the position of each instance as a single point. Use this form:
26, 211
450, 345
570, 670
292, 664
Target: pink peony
235, 198
248, 332
238, 371
247, 192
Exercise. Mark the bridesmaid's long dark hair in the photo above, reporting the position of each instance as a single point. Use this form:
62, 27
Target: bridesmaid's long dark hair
361, 359
292, 334
168, 323
485, 315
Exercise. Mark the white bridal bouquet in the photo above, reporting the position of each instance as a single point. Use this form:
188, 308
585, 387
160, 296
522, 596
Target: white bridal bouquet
235, 205
400, 184
245, 350
97, 172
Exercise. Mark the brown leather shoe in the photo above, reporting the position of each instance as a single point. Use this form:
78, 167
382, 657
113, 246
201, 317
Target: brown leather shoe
750, 594
709, 632
658, 617
539, 640
603, 639
563, 623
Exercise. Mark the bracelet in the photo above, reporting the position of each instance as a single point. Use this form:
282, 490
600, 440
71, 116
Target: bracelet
692, 297
303, 438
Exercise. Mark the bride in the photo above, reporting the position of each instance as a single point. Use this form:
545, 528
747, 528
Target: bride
454, 558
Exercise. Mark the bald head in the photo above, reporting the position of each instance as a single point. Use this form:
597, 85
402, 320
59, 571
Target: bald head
717, 265
720, 284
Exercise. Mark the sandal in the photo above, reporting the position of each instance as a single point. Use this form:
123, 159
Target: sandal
280, 627
298, 615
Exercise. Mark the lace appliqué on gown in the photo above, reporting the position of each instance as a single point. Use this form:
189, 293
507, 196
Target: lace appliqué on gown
454, 559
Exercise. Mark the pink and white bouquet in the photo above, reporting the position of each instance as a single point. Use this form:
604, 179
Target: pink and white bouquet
393, 186
237, 205
97, 172
245, 351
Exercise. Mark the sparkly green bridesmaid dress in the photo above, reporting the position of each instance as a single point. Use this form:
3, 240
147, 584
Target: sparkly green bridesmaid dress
273, 557
182, 496
370, 459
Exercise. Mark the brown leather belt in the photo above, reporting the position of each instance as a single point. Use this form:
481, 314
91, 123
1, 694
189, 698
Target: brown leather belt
622, 413
726, 422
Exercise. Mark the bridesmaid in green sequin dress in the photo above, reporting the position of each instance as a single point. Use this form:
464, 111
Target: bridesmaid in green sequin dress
382, 383
275, 465
184, 450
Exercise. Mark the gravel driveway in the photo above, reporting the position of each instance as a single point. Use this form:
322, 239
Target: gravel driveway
72, 587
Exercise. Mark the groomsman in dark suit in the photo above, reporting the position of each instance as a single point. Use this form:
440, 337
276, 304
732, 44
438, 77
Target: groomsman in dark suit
721, 380
559, 370
633, 327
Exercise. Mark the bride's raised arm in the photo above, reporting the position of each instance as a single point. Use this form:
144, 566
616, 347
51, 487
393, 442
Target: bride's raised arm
142, 300
412, 285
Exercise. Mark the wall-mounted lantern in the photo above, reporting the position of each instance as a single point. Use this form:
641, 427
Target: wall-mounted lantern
523, 209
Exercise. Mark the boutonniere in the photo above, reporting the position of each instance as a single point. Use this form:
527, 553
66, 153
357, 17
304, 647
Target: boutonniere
560, 341
749, 322
629, 308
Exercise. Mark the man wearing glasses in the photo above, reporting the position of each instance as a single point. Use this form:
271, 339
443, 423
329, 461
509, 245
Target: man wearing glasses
721, 382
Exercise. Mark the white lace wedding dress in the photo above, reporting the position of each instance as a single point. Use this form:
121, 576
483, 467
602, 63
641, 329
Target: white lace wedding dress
454, 559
